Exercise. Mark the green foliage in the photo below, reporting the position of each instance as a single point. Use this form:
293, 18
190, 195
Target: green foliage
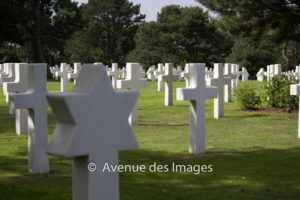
280, 18
180, 34
253, 55
247, 97
10, 52
107, 36
66, 21
278, 92
37, 27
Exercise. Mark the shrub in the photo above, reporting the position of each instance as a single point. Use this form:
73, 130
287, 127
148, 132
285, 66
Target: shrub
247, 98
278, 92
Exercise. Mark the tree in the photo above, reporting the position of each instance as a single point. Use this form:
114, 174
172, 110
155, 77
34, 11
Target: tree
253, 55
254, 18
180, 35
107, 35
35, 30
66, 21
21, 23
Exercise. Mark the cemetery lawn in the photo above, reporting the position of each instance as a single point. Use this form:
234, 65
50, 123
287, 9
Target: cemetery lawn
255, 155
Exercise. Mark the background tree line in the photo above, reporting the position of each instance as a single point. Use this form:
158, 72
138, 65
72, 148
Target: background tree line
253, 34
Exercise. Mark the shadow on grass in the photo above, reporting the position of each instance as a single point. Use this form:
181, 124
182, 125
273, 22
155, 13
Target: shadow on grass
247, 115
254, 174
163, 125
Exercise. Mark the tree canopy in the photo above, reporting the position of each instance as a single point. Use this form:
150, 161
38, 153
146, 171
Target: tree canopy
277, 18
107, 35
251, 33
180, 35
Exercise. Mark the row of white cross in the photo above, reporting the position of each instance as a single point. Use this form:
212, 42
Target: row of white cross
86, 128
275, 70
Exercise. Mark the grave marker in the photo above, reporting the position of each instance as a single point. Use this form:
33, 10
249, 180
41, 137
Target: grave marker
228, 89
245, 74
74, 75
132, 82
295, 90
114, 73
197, 93
34, 100
186, 75
20, 85
86, 131
63, 74
159, 72
168, 77
219, 81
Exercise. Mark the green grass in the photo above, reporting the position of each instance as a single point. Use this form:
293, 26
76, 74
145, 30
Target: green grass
255, 155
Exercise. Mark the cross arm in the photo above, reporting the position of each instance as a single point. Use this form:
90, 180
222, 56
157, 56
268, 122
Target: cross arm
183, 94
24, 100
211, 92
295, 90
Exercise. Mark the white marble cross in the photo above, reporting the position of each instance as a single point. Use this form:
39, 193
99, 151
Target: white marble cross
20, 85
235, 68
86, 131
179, 71
219, 81
53, 70
245, 74
295, 90
9, 77
9, 74
186, 75
208, 74
132, 82
2, 69
124, 73
142, 72
271, 72
150, 73
63, 74
114, 73
260, 75
228, 89
158, 73
277, 70
168, 77
74, 75
197, 93
34, 100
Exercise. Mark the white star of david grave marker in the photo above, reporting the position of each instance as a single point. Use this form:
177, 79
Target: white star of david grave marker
86, 131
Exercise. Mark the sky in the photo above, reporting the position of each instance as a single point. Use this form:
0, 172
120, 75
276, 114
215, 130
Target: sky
152, 7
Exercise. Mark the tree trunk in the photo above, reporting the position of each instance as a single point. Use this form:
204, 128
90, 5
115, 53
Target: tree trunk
36, 50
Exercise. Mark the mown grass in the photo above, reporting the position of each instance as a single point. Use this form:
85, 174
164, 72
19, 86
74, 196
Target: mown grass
255, 155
